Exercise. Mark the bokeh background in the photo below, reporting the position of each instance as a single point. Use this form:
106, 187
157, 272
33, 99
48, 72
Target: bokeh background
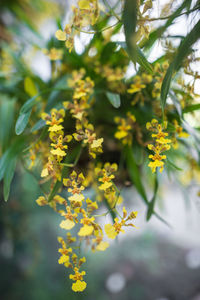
154, 262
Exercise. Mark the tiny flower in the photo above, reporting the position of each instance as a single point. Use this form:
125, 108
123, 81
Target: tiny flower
67, 224
86, 230
60, 35
79, 286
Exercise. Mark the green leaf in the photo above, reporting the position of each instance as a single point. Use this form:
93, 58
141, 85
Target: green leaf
139, 57
40, 124
22, 122
142, 61
8, 164
3, 163
134, 173
176, 103
29, 104
10, 170
151, 206
7, 110
156, 34
114, 99
191, 108
182, 52
130, 20
173, 165
165, 86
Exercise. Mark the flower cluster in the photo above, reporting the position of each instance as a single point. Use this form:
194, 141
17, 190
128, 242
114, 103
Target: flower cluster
83, 89
85, 14
125, 128
178, 133
160, 145
113, 230
78, 210
105, 176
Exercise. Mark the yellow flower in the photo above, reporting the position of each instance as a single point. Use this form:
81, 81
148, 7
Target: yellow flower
97, 143
79, 286
63, 259
44, 172
41, 201
86, 230
161, 145
84, 4
77, 197
105, 186
55, 128
110, 231
67, 224
58, 152
60, 35
102, 246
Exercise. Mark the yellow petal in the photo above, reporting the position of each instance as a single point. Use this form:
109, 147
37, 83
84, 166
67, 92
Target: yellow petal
41, 201
79, 286
63, 259
58, 152
110, 231
97, 143
105, 186
84, 4
29, 87
44, 172
86, 230
121, 134
67, 224
60, 35
55, 128
77, 197
102, 246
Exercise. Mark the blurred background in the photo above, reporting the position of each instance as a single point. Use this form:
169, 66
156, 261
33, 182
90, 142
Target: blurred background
154, 262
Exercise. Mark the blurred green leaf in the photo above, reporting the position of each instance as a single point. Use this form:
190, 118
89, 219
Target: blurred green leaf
182, 52
114, 99
29, 104
7, 111
134, 173
156, 34
40, 124
139, 57
151, 205
10, 170
130, 20
22, 122
191, 108
142, 61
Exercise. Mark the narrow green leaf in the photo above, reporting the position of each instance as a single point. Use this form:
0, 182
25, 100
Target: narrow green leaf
114, 99
191, 108
22, 122
130, 20
29, 104
142, 61
10, 170
176, 103
182, 52
134, 173
173, 165
139, 57
7, 110
151, 206
156, 34
165, 86
3, 163
40, 124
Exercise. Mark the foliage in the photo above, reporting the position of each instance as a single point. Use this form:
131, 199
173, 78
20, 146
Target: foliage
88, 126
